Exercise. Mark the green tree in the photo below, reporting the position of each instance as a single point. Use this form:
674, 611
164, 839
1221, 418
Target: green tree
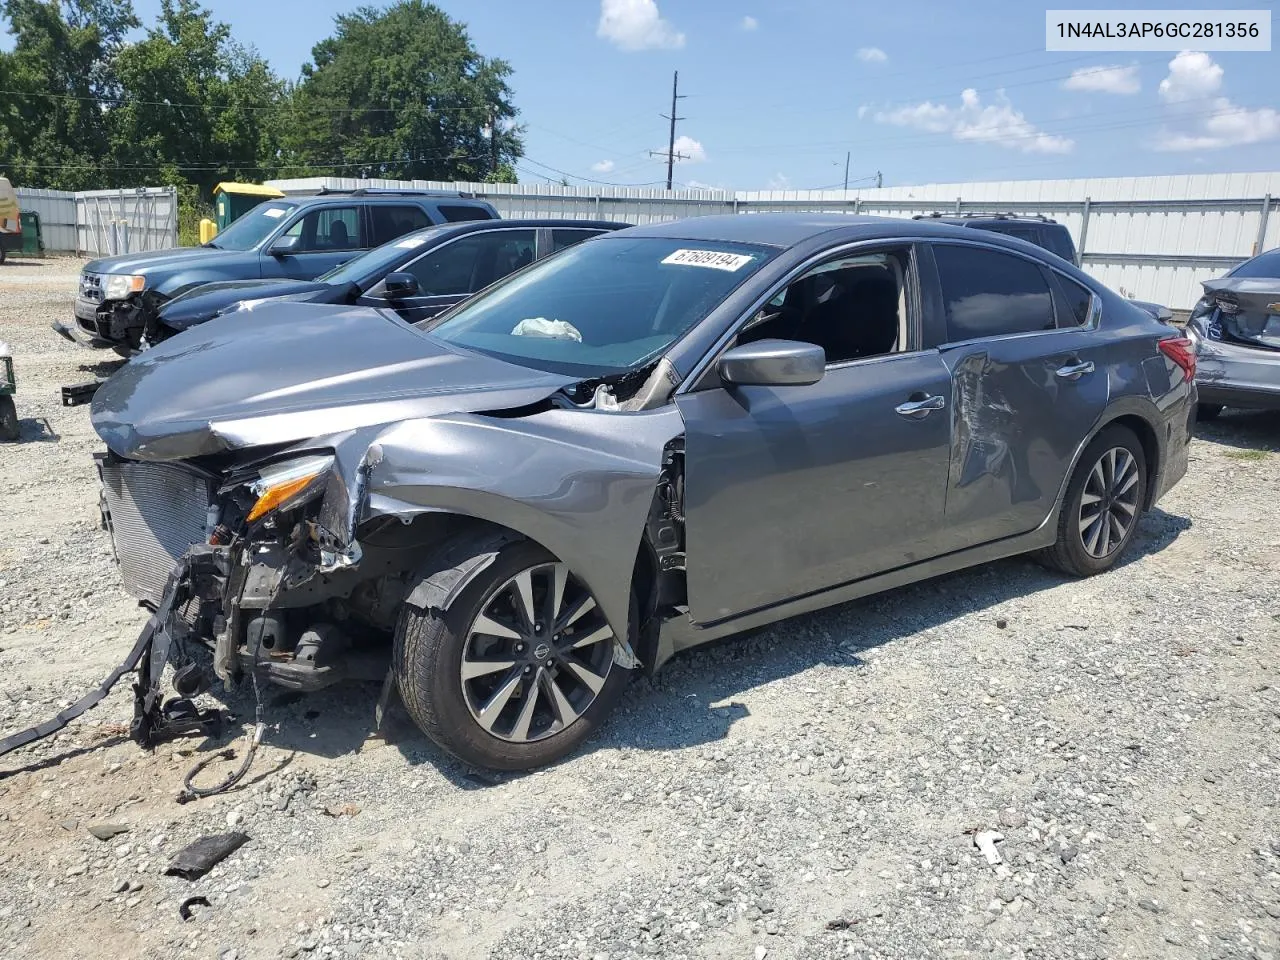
53, 125
403, 93
196, 106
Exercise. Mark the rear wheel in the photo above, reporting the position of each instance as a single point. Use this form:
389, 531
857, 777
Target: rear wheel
519, 669
1208, 411
9, 429
1102, 507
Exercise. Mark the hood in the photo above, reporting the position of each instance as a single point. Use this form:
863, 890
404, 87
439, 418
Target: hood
1248, 308
149, 262
202, 302
278, 373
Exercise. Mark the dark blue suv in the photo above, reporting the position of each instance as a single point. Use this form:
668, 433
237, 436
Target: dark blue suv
296, 238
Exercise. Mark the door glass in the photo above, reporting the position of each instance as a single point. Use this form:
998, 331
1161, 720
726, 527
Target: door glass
458, 214
472, 263
567, 238
1076, 302
988, 293
853, 307
390, 222
326, 229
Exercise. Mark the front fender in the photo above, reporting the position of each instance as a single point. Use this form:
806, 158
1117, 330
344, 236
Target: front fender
578, 482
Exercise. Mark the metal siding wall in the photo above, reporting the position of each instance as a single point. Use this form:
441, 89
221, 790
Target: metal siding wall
57, 211
1156, 238
80, 222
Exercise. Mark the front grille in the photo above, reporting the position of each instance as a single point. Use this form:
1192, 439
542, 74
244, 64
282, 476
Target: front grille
156, 511
91, 287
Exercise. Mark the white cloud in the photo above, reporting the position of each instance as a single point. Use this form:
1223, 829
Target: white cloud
749, 23
779, 181
603, 166
872, 55
999, 123
637, 25
700, 185
1193, 79
1108, 79
692, 150
1192, 76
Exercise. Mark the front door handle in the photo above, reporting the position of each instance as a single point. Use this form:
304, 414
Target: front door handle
919, 409
1074, 371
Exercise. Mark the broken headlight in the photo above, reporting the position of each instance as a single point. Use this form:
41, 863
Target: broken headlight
289, 484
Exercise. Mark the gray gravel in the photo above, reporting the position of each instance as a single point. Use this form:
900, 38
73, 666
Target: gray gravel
811, 791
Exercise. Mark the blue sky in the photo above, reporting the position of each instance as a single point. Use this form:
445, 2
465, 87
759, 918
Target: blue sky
778, 90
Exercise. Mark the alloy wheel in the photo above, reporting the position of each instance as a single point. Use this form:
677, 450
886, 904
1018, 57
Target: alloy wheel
1109, 502
536, 655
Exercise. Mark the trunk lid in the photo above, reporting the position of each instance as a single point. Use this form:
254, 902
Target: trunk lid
280, 372
1248, 309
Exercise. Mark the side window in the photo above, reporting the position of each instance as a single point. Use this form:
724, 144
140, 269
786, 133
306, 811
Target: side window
390, 222
472, 263
329, 228
988, 293
454, 214
1028, 234
853, 307
1057, 240
567, 237
1075, 301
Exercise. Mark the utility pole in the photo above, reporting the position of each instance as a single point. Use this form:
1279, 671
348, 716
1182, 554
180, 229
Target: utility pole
879, 180
846, 172
493, 142
672, 156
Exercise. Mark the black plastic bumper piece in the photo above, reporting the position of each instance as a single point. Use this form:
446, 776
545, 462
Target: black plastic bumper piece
79, 393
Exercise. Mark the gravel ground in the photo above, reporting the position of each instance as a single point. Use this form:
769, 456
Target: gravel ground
809, 792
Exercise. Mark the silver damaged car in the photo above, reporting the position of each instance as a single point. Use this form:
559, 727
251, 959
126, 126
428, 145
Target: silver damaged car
653, 439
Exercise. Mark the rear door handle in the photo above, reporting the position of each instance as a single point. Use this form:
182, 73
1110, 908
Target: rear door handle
919, 409
1074, 371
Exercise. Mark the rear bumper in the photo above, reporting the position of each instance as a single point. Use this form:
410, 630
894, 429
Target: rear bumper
1237, 376
10, 241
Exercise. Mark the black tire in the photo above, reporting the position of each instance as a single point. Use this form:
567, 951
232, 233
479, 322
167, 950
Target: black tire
1069, 554
9, 429
428, 657
2, 254
1208, 411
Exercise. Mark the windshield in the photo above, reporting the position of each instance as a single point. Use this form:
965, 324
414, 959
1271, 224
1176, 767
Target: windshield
603, 307
1263, 265
380, 260
252, 228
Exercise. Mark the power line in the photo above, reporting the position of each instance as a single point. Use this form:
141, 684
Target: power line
310, 108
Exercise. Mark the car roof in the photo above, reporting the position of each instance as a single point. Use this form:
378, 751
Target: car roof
341, 196
442, 230
786, 230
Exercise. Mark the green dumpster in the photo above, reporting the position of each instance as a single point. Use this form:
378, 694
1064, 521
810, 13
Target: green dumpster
233, 200
32, 240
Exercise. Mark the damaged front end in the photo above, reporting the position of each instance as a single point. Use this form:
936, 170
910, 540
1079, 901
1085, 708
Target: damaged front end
239, 562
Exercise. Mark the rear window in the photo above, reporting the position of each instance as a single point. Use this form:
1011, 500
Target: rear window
989, 294
1263, 265
456, 214
1058, 240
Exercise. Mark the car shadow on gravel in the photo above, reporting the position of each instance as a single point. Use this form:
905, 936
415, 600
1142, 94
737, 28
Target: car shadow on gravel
692, 702
36, 429
103, 368
1244, 429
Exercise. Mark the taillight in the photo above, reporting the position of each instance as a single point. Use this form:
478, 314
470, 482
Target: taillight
1181, 351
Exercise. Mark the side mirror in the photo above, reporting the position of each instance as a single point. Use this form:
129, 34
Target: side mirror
283, 246
399, 286
773, 363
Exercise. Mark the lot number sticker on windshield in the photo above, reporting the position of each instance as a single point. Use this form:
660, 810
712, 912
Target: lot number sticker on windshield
709, 258
409, 243
274, 212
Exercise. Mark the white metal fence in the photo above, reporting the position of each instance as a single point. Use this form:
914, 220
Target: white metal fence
1152, 238
100, 223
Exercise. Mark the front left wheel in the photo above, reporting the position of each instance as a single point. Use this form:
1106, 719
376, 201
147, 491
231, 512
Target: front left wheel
519, 669
9, 427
